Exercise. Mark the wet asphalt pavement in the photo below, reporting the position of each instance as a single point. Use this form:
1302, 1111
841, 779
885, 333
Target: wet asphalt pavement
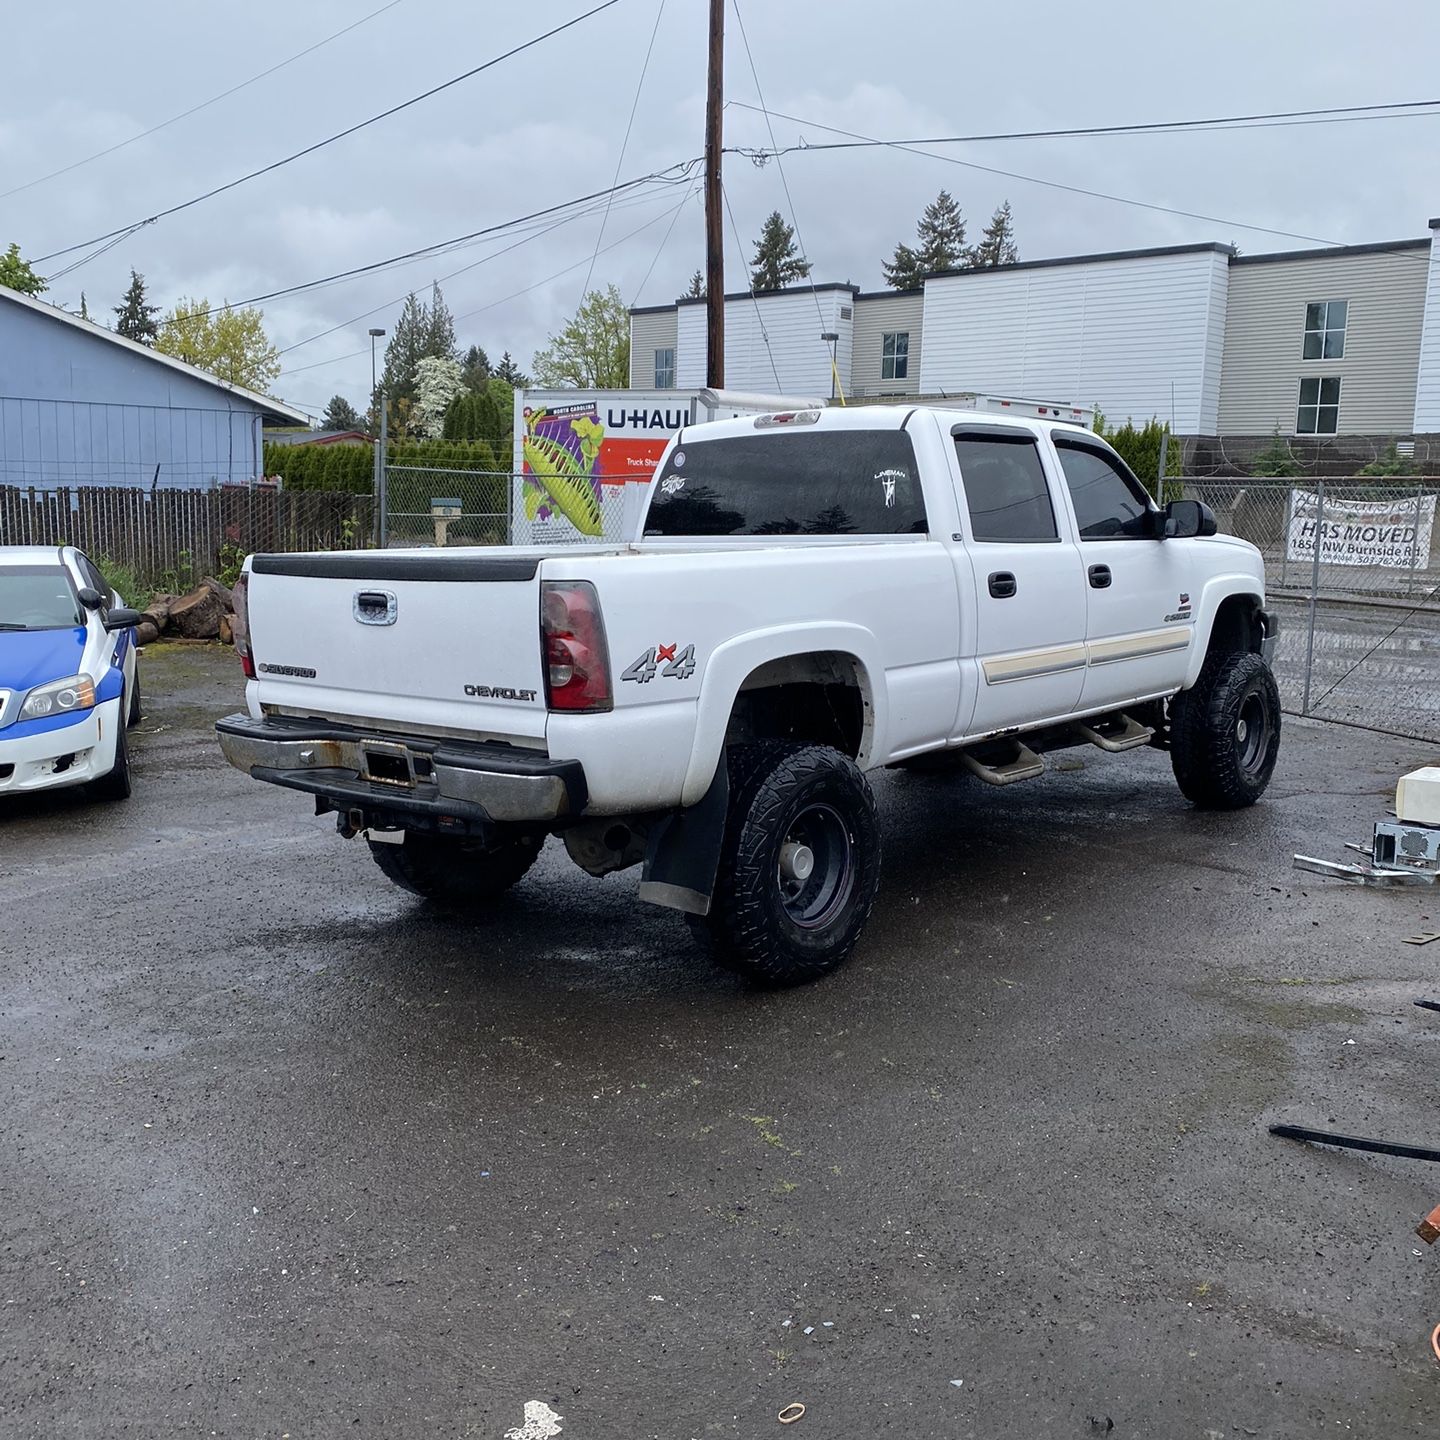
284, 1153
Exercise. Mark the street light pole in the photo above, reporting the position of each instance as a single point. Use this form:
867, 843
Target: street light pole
377, 475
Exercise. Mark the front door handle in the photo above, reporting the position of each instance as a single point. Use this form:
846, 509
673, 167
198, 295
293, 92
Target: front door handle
1100, 577
1002, 585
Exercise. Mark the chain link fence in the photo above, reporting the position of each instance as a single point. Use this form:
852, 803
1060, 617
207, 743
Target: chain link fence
1352, 569
426, 506
168, 538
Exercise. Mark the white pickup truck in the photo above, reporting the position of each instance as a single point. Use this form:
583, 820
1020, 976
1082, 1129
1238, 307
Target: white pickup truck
816, 594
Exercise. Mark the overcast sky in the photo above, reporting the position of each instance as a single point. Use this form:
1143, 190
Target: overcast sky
547, 126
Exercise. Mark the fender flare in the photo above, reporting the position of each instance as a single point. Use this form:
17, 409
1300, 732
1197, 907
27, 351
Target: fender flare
730, 664
1216, 590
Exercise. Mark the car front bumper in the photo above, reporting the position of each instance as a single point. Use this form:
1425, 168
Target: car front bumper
402, 779
66, 755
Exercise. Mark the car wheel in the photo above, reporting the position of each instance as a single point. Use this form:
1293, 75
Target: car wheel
1225, 732
134, 716
115, 785
463, 873
799, 864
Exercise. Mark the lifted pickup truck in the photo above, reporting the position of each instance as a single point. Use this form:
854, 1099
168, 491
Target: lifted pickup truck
816, 594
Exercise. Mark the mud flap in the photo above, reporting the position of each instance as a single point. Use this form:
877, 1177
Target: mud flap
683, 854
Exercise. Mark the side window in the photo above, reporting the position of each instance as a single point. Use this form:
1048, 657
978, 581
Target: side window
665, 368
1005, 489
1108, 504
95, 579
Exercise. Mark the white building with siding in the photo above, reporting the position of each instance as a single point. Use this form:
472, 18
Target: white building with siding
1322, 344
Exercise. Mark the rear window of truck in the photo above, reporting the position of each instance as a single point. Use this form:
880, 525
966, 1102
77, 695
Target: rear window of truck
836, 482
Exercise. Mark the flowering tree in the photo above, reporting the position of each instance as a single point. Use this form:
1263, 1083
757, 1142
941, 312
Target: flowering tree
438, 380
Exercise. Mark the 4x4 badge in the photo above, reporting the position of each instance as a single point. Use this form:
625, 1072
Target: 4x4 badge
678, 666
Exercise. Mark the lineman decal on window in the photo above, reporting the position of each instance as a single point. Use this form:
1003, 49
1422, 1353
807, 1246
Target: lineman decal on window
677, 666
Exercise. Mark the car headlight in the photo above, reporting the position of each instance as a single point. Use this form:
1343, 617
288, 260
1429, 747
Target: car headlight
59, 697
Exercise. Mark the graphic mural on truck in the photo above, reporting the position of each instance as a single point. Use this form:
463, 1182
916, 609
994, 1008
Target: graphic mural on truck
576, 456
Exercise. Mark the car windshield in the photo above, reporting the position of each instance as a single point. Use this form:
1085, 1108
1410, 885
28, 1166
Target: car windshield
37, 597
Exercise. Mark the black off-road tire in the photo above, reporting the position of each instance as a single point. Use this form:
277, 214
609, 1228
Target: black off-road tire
761, 924
1221, 760
465, 874
115, 785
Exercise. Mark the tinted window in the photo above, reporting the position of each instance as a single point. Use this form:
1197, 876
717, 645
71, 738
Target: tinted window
1108, 505
1005, 489
37, 597
799, 482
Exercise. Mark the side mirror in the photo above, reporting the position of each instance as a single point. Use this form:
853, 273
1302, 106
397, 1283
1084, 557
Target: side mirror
121, 617
90, 598
1184, 519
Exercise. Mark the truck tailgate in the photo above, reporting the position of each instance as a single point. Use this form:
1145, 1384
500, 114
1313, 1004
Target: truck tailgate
431, 641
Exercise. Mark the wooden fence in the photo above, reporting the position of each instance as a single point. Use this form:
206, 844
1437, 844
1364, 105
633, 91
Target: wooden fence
165, 534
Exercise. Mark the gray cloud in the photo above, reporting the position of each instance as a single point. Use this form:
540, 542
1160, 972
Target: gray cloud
547, 126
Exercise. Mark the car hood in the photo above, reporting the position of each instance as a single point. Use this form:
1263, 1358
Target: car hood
32, 657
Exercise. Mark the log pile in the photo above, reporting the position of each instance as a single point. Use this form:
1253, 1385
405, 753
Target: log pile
206, 613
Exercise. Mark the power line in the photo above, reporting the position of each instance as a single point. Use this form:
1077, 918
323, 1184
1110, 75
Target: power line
330, 140
203, 105
794, 216
624, 144
660, 249
535, 234
684, 168
514, 295
1052, 184
754, 299
1335, 115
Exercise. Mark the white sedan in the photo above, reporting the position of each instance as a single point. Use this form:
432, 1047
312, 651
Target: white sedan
68, 681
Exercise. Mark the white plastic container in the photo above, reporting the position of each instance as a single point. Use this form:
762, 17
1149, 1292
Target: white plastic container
1417, 796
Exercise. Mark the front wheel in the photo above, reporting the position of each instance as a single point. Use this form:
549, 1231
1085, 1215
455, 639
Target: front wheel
1225, 733
463, 873
799, 865
116, 784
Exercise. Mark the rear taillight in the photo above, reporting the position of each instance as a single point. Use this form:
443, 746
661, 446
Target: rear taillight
240, 625
577, 661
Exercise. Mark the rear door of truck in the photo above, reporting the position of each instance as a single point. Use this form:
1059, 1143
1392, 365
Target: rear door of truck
420, 642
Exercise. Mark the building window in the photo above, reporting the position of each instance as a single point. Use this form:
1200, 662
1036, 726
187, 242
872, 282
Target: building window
665, 368
895, 355
1319, 406
1325, 329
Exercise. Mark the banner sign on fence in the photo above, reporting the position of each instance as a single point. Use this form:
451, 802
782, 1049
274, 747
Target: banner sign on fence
1395, 532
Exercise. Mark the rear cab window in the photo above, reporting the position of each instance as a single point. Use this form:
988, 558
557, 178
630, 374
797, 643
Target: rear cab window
1006, 493
802, 482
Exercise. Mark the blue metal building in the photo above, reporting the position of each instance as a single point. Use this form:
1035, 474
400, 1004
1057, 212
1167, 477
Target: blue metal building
80, 406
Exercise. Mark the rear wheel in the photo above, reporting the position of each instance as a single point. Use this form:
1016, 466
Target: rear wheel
799, 865
115, 785
463, 873
1225, 732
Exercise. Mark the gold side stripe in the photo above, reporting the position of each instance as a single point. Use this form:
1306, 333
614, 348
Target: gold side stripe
1030, 663
1056, 659
1133, 647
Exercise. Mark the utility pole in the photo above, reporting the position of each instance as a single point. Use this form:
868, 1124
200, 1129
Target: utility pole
714, 233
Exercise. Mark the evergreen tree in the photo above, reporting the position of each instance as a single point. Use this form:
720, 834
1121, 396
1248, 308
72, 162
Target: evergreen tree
508, 371
404, 351
940, 245
17, 274
84, 308
697, 288
777, 261
475, 369
997, 244
440, 334
135, 320
340, 414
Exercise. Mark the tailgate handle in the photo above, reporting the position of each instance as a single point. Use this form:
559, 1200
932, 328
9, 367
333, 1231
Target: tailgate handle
375, 607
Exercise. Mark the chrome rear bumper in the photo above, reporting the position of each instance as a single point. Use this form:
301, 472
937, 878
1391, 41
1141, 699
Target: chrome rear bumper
403, 774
